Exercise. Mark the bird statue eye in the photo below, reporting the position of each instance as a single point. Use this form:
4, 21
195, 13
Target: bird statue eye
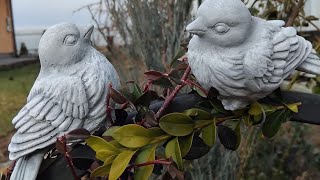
70, 40
221, 28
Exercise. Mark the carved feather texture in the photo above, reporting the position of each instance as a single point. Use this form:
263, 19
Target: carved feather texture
61, 104
246, 72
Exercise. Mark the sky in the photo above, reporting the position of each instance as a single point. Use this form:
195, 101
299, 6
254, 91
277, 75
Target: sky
45, 13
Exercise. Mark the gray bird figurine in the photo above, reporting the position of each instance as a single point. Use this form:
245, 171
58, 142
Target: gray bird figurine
244, 57
69, 93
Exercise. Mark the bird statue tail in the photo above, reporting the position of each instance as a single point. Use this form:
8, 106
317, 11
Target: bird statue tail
311, 64
27, 167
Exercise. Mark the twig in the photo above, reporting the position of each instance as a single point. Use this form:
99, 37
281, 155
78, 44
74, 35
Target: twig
10, 169
174, 92
158, 161
108, 103
67, 156
294, 13
197, 85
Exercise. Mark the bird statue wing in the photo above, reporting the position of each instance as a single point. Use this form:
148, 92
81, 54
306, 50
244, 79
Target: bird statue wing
55, 106
288, 51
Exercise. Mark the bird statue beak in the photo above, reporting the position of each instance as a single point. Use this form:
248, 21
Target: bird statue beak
196, 27
88, 33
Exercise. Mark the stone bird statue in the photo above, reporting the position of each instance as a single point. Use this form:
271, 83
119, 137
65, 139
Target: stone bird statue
244, 57
69, 93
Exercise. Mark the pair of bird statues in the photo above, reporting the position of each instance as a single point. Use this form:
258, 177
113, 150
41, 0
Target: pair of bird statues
244, 57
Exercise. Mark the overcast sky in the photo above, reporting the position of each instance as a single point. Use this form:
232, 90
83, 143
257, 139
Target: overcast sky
44, 13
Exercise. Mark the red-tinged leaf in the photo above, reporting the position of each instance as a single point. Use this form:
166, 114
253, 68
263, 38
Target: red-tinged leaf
181, 53
163, 82
78, 134
117, 96
146, 98
153, 75
182, 66
60, 146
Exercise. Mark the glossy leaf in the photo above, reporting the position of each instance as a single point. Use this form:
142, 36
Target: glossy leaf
181, 52
294, 107
273, 122
173, 150
99, 144
110, 159
104, 154
145, 155
228, 137
82, 163
198, 149
185, 143
101, 171
120, 163
153, 75
255, 109
78, 134
111, 130
177, 124
117, 96
217, 105
137, 92
163, 82
132, 136
209, 134
146, 98
197, 114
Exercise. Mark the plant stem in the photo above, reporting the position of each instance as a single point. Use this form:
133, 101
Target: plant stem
67, 156
158, 161
108, 104
197, 85
174, 93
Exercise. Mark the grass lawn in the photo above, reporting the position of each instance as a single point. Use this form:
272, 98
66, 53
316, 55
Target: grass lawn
14, 88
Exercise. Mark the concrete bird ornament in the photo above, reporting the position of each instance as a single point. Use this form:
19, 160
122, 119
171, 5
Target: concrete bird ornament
69, 93
244, 57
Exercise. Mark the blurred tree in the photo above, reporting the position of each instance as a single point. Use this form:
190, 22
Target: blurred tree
150, 30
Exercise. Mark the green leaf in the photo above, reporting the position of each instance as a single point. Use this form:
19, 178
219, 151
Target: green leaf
110, 159
110, 131
185, 143
198, 149
173, 150
146, 155
163, 82
156, 132
116, 144
120, 163
137, 92
255, 109
177, 124
99, 144
105, 154
209, 134
117, 96
197, 114
217, 105
228, 137
146, 98
132, 136
181, 52
273, 122
238, 133
293, 107
101, 171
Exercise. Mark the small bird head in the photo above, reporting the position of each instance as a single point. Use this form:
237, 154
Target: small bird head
63, 45
223, 23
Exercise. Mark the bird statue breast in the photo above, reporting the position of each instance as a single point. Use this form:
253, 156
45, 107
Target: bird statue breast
69, 93
244, 57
